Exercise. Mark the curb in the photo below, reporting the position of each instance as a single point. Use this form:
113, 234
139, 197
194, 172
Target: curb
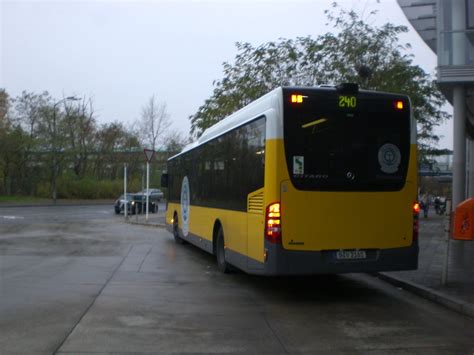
450, 302
159, 225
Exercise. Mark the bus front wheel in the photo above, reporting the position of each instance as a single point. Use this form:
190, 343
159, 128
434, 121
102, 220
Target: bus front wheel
176, 236
222, 265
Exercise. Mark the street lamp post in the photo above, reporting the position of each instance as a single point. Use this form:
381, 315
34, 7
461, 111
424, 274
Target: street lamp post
54, 133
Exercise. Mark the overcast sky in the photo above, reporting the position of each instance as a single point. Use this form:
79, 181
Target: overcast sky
122, 52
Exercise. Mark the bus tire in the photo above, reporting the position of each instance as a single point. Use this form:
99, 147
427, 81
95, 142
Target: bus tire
176, 236
222, 265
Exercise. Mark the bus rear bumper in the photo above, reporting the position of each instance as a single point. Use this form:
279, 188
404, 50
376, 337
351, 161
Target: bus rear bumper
289, 262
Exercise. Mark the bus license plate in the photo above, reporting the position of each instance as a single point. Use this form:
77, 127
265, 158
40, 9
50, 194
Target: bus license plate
350, 254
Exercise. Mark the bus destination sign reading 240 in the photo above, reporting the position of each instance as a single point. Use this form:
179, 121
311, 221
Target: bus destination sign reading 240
347, 101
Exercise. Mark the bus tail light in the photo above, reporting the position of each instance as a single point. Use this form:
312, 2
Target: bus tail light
416, 208
416, 214
273, 223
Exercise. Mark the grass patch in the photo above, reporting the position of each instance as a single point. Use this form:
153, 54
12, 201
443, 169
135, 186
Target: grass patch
22, 199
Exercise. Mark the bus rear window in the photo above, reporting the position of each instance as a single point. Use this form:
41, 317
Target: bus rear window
337, 142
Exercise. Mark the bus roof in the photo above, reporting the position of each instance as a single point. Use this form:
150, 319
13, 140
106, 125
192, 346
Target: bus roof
256, 108
236, 119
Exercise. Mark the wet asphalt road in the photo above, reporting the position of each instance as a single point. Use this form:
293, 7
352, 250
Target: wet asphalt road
79, 280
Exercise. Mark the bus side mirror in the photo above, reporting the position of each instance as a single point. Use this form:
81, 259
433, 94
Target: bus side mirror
164, 180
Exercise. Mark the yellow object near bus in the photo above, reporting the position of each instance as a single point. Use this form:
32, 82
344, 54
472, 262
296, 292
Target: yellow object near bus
325, 184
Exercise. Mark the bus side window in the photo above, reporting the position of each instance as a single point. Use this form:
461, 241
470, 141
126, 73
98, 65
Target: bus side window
164, 180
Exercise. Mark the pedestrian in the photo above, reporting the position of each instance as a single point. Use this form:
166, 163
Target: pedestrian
437, 204
425, 204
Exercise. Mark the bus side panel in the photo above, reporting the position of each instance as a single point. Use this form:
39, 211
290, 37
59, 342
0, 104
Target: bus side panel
201, 225
255, 231
255, 228
170, 208
275, 172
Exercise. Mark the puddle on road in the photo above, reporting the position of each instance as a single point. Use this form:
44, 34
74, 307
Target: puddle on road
12, 217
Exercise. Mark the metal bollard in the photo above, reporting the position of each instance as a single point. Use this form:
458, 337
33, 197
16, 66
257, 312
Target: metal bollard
447, 231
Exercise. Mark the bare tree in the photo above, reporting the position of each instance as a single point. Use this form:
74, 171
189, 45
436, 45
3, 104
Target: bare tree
29, 109
175, 141
80, 127
154, 123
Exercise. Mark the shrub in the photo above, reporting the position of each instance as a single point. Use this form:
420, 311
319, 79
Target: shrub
90, 188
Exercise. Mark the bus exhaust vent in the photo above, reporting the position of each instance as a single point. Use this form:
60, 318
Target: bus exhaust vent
255, 202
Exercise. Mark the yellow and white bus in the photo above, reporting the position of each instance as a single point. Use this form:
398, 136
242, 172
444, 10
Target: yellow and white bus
302, 181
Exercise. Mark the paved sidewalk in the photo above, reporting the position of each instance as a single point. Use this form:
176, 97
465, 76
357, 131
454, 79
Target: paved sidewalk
458, 292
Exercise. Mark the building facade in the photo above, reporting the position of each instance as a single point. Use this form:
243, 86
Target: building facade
447, 27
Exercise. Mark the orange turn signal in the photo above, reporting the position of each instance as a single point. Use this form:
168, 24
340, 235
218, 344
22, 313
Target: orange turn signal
297, 98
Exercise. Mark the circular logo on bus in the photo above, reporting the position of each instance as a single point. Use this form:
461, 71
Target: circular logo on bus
389, 158
185, 201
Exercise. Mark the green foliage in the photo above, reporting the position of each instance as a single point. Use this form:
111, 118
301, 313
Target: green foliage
355, 52
44, 141
12, 143
43, 189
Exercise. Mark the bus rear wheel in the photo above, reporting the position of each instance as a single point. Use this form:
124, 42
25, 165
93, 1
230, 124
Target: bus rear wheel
176, 236
222, 265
